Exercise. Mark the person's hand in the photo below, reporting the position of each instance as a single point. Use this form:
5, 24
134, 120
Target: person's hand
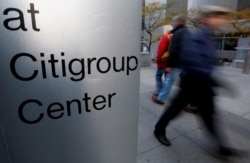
168, 69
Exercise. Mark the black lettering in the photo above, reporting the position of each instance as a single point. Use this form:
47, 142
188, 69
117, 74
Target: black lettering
63, 66
78, 105
43, 66
52, 62
32, 12
90, 60
99, 100
81, 72
129, 68
115, 65
98, 66
109, 99
13, 67
86, 99
19, 19
55, 108
21, 112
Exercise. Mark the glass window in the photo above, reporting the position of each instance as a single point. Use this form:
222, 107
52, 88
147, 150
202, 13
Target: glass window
227, 43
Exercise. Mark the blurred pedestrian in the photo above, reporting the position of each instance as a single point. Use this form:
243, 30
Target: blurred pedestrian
160, 75
198, 60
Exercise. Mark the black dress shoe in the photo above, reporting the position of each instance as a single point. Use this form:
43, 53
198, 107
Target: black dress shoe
162, 139
226, 151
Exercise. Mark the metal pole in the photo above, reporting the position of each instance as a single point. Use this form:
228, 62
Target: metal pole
246, 66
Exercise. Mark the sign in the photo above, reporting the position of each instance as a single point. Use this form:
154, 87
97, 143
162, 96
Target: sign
69, 81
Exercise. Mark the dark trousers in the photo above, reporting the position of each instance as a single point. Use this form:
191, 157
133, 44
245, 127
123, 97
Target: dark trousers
198, 90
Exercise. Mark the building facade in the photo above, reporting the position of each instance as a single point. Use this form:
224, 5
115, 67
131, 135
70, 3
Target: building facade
242, 4
195, 4
225, 42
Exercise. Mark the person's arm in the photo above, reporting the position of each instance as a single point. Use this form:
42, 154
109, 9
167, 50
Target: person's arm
162, 46
174, 49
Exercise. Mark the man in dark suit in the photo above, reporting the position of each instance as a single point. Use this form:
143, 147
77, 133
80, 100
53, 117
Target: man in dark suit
198, 58
172, 64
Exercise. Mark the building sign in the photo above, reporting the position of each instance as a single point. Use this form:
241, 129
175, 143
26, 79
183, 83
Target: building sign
69, 81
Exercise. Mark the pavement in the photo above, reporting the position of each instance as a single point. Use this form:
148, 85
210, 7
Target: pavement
190, 143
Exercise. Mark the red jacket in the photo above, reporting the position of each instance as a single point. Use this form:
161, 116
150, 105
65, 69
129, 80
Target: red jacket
162, 47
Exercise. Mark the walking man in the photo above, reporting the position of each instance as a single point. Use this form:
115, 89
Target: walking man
172, 63
198, 60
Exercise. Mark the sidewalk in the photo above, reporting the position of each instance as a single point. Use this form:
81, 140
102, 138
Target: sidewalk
189, 140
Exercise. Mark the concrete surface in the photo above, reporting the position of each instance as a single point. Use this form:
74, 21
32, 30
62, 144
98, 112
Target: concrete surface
190, 143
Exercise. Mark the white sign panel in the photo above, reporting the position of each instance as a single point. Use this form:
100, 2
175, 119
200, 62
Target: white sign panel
69, 81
